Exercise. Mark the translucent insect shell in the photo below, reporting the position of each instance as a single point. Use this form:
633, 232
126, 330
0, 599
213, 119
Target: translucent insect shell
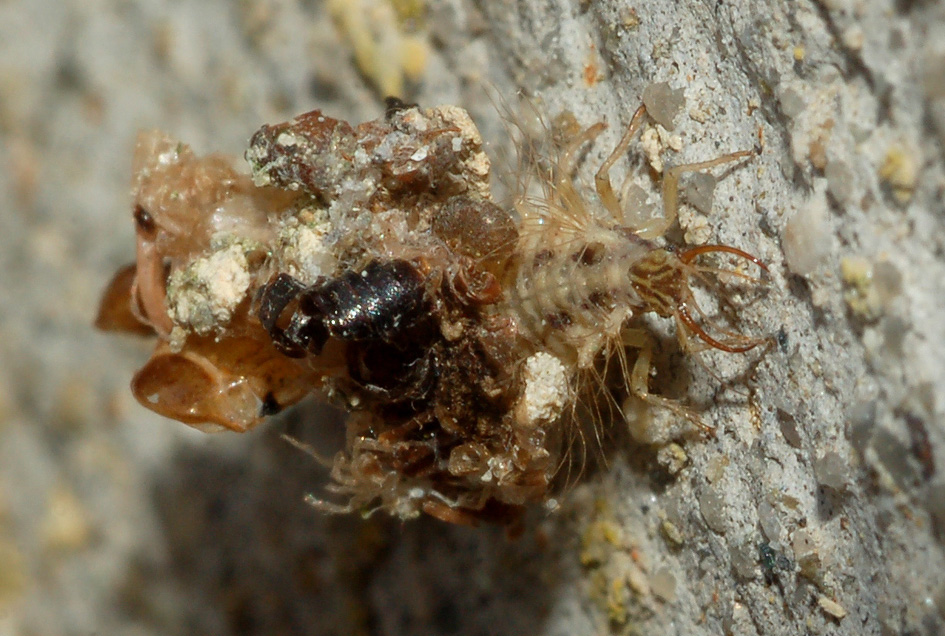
368, 264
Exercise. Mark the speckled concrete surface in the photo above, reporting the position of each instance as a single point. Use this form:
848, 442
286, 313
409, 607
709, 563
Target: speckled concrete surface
816, 507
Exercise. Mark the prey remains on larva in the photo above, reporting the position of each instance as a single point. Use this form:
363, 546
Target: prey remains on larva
369, 265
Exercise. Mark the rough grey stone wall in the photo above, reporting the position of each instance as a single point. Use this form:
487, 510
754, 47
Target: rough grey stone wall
815, 507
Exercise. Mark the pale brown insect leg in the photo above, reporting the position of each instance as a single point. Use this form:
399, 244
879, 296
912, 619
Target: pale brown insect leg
564, 186
657, 227
605, 190
639, 380
149, 289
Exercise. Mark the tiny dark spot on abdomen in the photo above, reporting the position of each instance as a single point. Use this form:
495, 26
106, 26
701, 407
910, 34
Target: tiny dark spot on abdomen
601, 299
559, 320
590, 254
542, 258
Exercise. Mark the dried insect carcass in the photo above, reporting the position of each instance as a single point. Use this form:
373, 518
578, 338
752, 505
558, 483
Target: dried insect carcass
430, 376
369, 263
429, 366
365, 262
202, 233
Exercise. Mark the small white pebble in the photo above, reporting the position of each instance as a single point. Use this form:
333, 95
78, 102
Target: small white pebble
715, 468
697, 114
768, 517
854, 37
792, 103
744, 559
803, 544
663, 584
807, 237
546, 389
287, 139
831, 471
700, 191
712, 507
663, 103
839, 180
887, 280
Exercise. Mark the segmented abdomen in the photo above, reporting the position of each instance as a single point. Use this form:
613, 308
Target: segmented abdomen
572, 291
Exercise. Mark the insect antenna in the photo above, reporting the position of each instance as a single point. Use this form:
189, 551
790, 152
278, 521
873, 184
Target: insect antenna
308, 449
687, 256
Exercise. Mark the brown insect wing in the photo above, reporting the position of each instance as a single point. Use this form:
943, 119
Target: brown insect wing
232, 384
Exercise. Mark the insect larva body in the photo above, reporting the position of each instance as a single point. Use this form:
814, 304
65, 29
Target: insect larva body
582, 275
572, 292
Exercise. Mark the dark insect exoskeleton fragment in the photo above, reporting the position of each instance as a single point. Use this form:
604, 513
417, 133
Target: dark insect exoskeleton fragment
394, 105
382, 302
281, 291
384, 373
378, 303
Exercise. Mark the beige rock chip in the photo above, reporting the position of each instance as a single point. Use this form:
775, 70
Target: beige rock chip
546, 390
203, 295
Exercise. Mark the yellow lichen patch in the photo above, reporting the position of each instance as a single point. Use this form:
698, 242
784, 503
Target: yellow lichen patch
599, 539
672, 533
380, 34
409, 12
13, 578
900, 171
618, 580
66, 526
618, 596
860, 294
